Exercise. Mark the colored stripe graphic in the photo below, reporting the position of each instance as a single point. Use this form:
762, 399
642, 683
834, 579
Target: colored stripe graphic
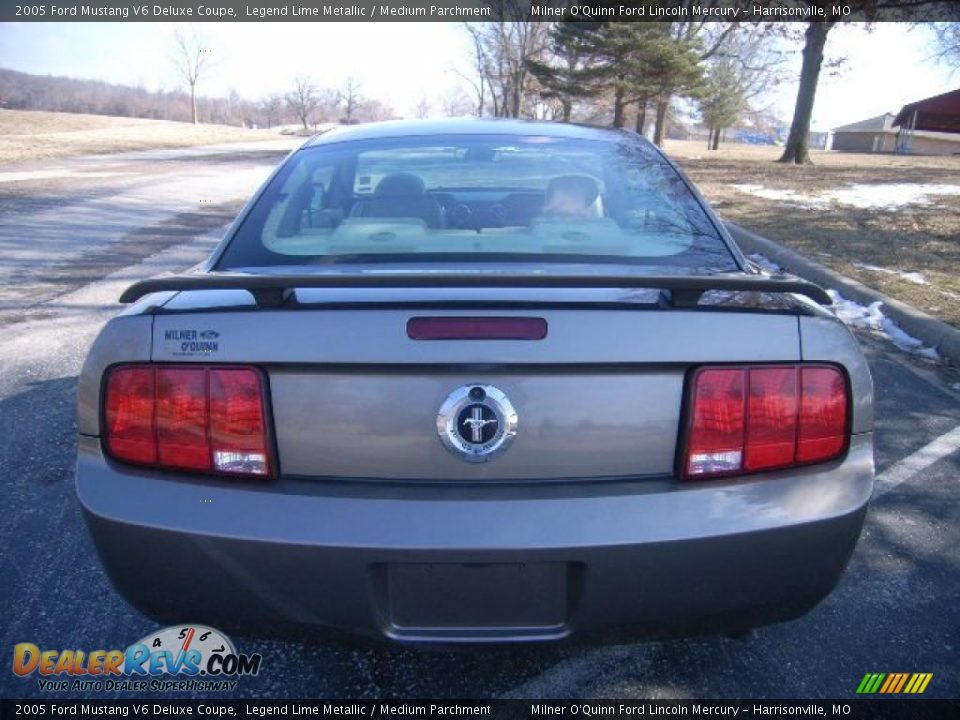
894, 683
870, 683
892, 679
918, 683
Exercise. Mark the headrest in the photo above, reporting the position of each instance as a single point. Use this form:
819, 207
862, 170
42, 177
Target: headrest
582, 185
400, 184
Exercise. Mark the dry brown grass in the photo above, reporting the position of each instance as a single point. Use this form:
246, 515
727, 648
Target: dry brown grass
30, 135
917, 238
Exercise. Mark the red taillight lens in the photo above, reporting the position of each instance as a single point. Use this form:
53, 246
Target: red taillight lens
772, 412
205, 419
747, 419
823, 414
182, 419
130, 431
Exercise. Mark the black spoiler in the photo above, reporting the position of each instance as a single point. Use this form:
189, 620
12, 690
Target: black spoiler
273, 290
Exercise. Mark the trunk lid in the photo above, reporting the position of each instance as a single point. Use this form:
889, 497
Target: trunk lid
354, 397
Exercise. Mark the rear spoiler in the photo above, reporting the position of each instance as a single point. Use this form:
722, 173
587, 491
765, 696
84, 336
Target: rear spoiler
274, 290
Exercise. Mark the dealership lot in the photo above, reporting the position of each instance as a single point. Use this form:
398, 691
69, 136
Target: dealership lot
71, 243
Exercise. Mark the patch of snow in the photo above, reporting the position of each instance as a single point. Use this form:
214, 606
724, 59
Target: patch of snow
788, 196
871, 318
887, 196
890, 195
765, 263
914, 277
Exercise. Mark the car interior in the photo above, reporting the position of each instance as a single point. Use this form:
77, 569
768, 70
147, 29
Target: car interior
346, 208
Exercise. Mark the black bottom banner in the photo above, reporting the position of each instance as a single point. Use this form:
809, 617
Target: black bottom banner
533, 708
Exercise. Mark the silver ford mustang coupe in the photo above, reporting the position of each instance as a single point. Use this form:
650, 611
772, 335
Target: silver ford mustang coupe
472, 382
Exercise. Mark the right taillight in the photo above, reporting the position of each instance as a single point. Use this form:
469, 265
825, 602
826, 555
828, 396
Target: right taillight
748, 419
209, 419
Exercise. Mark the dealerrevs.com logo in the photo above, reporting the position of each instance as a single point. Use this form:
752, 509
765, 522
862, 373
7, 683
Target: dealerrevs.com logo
181, 657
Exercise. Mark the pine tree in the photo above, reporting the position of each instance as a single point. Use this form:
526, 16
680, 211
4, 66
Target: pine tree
630, 63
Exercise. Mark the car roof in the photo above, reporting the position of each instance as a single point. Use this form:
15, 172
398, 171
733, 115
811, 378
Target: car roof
468, 126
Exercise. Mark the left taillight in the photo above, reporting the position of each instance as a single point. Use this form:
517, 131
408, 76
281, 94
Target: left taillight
209, 419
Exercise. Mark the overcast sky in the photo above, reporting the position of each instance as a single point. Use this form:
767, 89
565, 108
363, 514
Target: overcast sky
399, 63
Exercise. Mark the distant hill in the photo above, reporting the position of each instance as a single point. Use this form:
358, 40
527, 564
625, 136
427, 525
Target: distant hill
24, 91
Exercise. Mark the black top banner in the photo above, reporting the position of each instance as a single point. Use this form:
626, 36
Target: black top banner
478, 10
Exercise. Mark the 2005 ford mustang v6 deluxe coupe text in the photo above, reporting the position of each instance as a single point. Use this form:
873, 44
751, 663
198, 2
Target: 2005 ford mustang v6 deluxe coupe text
476, 381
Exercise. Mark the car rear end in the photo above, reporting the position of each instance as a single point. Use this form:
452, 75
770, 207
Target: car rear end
488, 462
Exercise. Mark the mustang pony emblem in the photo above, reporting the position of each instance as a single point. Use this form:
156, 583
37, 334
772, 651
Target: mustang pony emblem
477, 422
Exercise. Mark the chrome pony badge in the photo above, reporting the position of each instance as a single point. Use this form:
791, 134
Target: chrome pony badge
476, 422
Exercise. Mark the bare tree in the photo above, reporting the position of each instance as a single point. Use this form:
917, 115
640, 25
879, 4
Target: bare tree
479, 80
503, 52
351, 100
422, 110
948, 44
374, 111
456, 103
5, 91
191, 59
270, 109
328, 105
303, 101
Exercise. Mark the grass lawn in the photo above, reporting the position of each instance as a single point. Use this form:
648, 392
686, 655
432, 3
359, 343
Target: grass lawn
27, 135
917, 237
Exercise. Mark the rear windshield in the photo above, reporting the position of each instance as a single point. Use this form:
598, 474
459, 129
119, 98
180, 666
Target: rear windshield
478, 198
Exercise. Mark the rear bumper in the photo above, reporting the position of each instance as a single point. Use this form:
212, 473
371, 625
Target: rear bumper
454, 568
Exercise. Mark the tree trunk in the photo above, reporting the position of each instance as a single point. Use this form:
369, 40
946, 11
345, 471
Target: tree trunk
716, 139
567, 107
660, 128
618, 118
710, 139
796, 150
641, 116
193, 102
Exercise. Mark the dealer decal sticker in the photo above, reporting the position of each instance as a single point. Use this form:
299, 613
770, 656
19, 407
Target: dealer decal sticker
192, 342
179, 657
